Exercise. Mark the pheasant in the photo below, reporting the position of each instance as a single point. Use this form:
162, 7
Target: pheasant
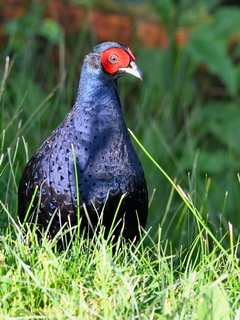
87, 171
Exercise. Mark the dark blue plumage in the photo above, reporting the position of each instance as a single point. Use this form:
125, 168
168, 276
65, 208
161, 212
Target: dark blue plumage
95, 134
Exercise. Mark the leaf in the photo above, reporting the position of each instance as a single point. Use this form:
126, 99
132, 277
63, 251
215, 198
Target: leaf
221, 119
51, 31
204, 48
213, 305
209, 44
165, 10
227, 22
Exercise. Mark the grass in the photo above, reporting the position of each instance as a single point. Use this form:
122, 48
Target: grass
150, 280
140, 282
186, 265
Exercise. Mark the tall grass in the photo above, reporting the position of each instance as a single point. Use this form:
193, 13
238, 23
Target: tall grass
90, 280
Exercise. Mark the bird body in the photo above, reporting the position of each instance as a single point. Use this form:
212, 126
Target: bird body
89, 159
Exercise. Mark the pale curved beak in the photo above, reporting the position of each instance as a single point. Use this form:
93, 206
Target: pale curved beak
133, 69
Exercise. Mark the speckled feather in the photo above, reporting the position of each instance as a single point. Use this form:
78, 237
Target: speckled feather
107, 164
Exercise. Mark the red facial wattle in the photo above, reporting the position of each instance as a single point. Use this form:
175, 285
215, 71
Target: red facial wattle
131, 54
115, 58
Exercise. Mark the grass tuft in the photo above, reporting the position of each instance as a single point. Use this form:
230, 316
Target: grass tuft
89, 281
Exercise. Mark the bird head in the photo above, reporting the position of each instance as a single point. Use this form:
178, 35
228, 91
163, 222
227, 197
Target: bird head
116, 60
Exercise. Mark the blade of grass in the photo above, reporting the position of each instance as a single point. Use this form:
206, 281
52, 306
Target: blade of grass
185, 197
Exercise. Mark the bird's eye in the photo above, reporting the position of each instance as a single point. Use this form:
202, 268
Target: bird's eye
113, 59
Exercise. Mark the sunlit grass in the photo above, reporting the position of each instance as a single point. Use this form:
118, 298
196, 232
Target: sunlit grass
140, 281
90, 280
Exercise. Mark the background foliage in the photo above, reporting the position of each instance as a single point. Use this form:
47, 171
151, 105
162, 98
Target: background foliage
186, 112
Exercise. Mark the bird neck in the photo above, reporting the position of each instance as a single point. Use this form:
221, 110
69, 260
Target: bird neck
94, 84
97, 103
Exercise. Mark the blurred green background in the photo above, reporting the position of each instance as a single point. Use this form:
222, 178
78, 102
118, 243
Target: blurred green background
185, 112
